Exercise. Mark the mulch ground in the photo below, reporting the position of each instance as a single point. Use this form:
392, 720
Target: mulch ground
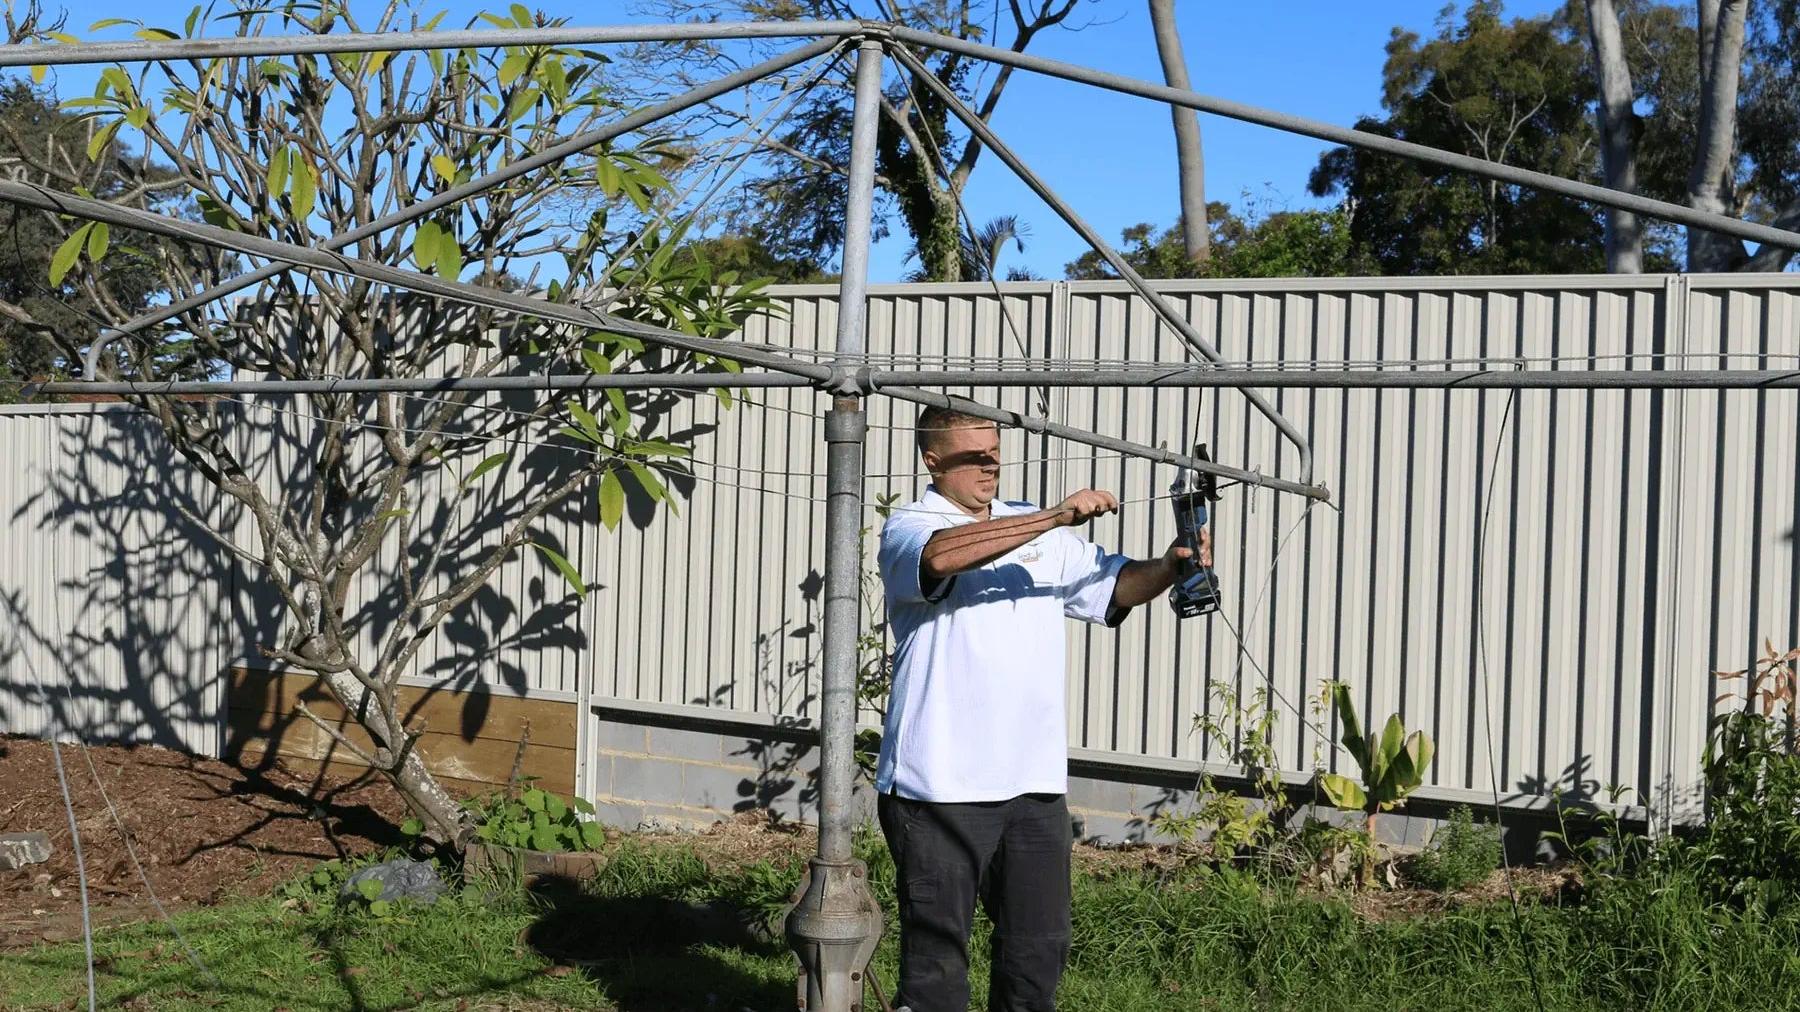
205, 831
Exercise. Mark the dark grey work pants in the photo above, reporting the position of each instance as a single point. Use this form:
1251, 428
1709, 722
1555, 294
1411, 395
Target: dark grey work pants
1013, 856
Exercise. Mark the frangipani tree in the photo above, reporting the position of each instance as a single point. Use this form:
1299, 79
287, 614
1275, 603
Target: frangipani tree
302, 149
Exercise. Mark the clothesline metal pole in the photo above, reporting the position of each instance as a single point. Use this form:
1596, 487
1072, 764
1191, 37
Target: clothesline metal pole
901, 385
1356, 379
836, 923
257, 46
1681, 215
1158, 305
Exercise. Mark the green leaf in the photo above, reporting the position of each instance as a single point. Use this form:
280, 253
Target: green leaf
512, 67
487, 464
568, 571
369, 888
533, 800
38, 70
582, 805
612, 500
592, 836
546, 838
585, 418
212, 213
380, 908
647, 480
554, 807
449, 257
446, 169
1342, 791
102, 137
521, 16
658, 447
109, 23
1351, 734
98, 238
136, 118
1419, 753
1393, 739
64, 259
606, 176
306, 190
193, 19
412, 827
621, 412
425, 244
277, 178
155, 34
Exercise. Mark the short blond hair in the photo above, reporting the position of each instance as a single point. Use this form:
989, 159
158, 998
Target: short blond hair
934, 420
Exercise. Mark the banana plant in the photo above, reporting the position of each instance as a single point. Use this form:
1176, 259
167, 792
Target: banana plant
1392, 764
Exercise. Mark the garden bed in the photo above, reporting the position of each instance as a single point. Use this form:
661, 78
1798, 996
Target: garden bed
204, 830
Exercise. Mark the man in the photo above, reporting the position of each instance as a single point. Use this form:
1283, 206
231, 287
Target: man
974, 756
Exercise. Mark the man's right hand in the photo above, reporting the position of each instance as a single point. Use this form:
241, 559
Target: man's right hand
1088, 504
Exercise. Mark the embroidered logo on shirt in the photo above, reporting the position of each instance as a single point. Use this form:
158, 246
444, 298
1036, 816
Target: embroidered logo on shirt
1030, 553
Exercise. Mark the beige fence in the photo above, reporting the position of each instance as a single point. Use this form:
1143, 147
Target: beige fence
1635, 541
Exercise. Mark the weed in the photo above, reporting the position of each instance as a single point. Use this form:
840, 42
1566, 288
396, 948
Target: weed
536, 819
1460, 854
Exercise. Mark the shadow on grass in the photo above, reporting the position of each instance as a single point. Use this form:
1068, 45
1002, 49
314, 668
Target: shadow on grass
660, 954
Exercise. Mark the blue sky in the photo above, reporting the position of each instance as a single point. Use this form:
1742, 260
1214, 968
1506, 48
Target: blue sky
1111, 155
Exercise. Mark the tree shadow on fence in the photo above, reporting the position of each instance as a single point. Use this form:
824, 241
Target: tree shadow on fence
112, 604
125, 613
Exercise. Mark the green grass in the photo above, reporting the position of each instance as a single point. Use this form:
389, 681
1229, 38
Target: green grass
658, 931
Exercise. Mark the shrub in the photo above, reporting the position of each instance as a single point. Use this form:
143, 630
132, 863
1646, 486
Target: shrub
539, 820
1460, 855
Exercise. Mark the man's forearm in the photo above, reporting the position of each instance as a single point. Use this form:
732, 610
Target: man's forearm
1143, 580
970, 546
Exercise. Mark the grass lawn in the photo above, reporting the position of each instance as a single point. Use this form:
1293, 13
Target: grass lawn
661, 930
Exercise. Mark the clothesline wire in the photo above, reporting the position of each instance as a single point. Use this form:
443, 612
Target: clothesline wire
1004, 363
669, 469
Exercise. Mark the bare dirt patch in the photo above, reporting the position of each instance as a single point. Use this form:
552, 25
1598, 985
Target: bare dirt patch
204, 830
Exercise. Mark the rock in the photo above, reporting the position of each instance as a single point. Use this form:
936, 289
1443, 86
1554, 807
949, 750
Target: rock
400, 879
20, 849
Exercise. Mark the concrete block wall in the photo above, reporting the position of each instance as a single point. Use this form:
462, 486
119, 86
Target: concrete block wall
649, 772
682, 777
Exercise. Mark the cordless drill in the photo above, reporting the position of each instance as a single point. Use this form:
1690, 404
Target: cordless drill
1196, 591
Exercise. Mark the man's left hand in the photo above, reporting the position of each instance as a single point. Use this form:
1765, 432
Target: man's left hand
1177, 552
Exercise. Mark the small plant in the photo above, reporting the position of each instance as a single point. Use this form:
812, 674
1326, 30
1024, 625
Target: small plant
314, 888
1231, 822
1392, 765
1460, 855
1744, 853
1334, 855
368, 895
538, 820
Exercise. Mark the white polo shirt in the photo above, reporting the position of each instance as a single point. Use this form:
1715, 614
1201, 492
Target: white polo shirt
978, 711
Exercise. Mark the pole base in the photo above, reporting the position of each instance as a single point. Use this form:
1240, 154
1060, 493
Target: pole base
834, 927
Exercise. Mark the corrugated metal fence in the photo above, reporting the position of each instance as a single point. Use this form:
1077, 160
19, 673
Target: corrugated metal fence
1584, 560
